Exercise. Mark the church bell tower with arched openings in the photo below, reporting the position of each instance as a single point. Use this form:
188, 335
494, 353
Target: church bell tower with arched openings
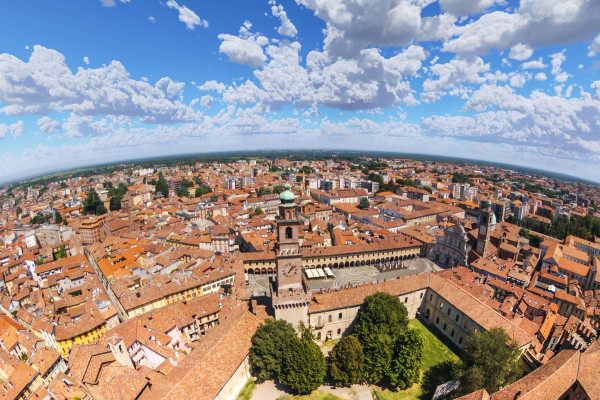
290, 295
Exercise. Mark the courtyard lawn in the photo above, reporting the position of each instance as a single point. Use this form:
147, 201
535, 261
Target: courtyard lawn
246, 392
435, 352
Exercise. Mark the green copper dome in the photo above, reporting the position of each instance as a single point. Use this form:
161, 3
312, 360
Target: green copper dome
287, 196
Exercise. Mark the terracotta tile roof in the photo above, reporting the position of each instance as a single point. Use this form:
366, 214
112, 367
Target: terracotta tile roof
548, 382
480, 313
44, 358
204, 372
481, 394
356, 296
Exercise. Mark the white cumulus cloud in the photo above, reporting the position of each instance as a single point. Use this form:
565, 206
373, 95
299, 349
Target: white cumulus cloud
15, 129
48, 125
287, 28
245, 49
187, 16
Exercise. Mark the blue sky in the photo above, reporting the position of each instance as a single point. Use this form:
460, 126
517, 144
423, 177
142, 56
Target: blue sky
105, 80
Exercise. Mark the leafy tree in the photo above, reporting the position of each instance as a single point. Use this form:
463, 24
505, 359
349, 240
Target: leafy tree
101, 209
306, 169
378, 351
524, 232
19, 211
346, 361
303, 366
162, 186
63, 185
380, 313
202, 190
115, 203
490, 360
57, 218
263, 190
183, 192
364, 203
214, 198
438, 374
258, 211
92, 203
535, 240
405, 370
186, 184
380, 321
267, 349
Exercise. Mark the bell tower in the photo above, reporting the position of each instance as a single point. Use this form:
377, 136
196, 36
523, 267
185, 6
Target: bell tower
290, 296
487, 220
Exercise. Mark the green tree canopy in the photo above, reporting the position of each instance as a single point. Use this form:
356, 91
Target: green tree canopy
346, 361
266, 353
183, 191
378, 351
380, 313
93, 205
364, 203
162, 186
303, 366
202, 190
535, 240
490, 360
405, 369
380, 323
263, 190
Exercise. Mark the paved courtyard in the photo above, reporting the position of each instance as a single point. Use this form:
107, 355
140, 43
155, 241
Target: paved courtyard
258, 285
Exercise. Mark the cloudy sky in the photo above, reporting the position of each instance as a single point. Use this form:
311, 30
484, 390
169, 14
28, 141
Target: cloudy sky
90, 81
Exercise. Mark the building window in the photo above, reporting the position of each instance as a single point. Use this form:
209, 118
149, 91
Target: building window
340, 316
406, 299
430, 297
456, 319
339, 331
452, 334
288, 233
442, 305
460, 340
330, 317
445, 326
448, 311
437, 320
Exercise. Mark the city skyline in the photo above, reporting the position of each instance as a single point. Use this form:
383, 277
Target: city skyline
102, 81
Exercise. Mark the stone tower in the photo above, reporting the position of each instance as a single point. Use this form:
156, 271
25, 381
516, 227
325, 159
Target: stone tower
487, 220
290, 295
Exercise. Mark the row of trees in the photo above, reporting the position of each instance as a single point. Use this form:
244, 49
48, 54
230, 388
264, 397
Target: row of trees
586, 228
382, 349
